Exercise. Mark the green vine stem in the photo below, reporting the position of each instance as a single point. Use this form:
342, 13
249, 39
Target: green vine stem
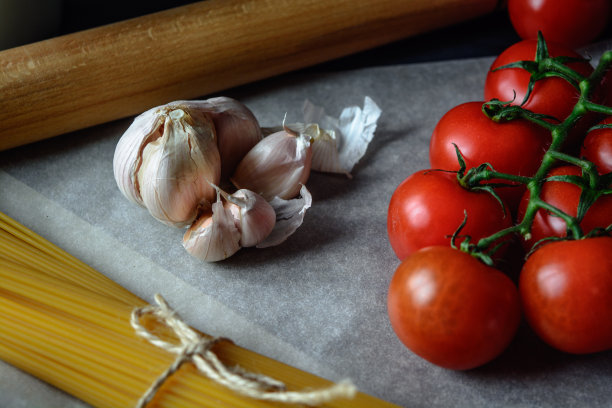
470, 180
593, 184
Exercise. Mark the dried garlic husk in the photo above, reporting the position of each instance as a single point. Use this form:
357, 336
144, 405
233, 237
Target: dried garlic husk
325, 151
236, 127
339, 143
289, 216
277, 166
253, 215
165, 162
214, 235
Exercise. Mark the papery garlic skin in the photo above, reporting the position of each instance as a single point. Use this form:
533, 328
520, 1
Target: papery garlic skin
277, 166
127, 157
254, 216
345, 139
214, 236
289, 216
325, 150
167, 166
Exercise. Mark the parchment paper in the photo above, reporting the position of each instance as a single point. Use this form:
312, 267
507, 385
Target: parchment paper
318, 301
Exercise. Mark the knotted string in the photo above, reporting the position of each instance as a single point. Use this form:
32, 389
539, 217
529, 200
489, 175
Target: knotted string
197, 349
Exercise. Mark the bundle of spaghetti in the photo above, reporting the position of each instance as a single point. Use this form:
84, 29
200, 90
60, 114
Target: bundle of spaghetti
69, 325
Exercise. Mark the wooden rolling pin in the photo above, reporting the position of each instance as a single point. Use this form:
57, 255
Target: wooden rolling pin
118, 70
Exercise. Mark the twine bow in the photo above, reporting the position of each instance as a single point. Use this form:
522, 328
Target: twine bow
197, 349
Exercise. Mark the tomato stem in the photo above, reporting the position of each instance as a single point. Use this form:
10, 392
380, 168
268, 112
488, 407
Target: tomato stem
475, 179
587, 166
593, 107
591, 183
503, 111
571, 222
554, 67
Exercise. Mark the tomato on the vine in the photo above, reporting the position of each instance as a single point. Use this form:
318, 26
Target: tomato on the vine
569, 22
514, 147
451, 309
597, 147
429, 206
550, 96
566, 293
565, 196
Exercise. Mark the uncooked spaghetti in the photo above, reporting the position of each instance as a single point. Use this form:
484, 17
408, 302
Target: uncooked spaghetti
69, 325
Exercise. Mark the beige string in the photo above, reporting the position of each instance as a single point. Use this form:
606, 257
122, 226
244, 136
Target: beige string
195, 348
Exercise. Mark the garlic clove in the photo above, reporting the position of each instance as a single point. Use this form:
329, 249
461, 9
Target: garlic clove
236, 127
176, 166
277, 166
289, 216
254, 216
238, 132
213, 236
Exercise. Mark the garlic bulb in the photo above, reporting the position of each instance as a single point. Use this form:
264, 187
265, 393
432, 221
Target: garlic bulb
213, 236
171, 159
277, 166
253, 215
165, 162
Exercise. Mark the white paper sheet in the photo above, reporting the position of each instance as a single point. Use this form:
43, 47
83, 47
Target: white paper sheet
317, 301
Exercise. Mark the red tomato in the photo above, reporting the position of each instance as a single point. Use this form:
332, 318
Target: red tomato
428, 207
597, 147
451, 309
551, 96
570, 22
514, 147
565, 196
566, 292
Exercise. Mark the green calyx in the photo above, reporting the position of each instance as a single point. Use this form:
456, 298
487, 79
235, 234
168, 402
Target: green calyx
545, 66
499, 111
484, 255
